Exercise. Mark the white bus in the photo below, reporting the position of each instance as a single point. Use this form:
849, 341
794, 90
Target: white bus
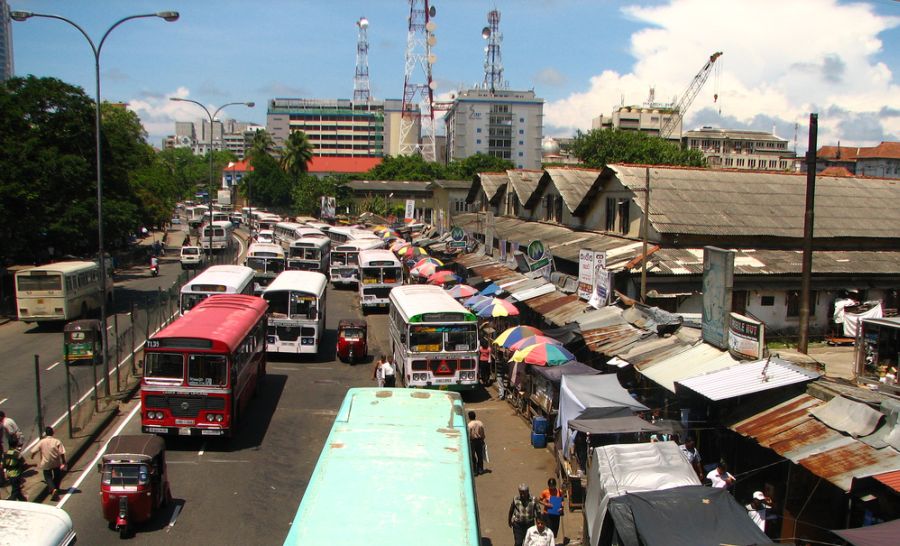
60, 291
217, 279
286, 233
267, 261
344, 265
309, 254
434, 339
222, 235
296, 316
379, 272
343, 234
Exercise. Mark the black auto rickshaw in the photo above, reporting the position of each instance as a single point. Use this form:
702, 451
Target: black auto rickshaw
351, 340
133, 480
82, 342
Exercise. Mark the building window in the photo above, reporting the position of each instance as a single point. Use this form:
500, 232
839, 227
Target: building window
521, 120
767, 301
793, 303
521, 154
624, 208
478, 130
610, 214
478, 141
521, 143
521, 131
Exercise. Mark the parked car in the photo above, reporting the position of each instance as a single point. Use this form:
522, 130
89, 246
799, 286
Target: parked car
192, 257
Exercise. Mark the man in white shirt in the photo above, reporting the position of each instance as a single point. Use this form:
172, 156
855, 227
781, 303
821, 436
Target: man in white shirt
719, 477
539, 534
693, 456
757, 509
387, 373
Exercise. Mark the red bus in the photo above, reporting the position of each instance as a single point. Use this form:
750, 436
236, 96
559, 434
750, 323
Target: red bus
201, 370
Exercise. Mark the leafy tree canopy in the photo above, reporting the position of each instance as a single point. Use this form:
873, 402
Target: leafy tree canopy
600, 147
413, 167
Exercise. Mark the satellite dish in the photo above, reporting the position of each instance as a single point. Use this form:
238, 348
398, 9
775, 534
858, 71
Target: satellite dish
432, 12
363, 22
432, 58
486, 32
430, 26
432, 39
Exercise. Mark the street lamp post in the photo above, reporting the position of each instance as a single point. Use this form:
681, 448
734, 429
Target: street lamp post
212, 118
168, 16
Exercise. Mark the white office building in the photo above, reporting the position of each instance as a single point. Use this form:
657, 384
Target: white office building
739, 149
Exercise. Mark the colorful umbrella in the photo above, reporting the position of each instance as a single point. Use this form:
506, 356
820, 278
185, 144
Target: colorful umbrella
475, 300
498, 308
429, 259
543, 354
462, 291
425, 270
514, 334
398, 244
490, 289
412, 251
533, 340
443, 277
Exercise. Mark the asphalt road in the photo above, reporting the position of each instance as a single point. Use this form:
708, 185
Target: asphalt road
247, 490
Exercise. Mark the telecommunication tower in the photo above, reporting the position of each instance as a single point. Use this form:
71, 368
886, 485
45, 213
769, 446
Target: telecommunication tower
418, 87
361, 80
493, 64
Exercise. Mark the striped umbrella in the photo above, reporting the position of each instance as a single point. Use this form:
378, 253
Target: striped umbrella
429, 259
533, 340
412, 251
398, 244
462, 291
475, 300
498, 308
543, 354
425, 270
514, 334
443, 277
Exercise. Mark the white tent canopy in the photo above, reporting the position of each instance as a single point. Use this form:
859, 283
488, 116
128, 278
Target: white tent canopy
580, 392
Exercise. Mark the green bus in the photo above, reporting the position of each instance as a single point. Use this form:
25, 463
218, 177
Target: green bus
395, 470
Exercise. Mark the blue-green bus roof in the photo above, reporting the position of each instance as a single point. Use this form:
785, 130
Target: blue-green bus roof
395, 470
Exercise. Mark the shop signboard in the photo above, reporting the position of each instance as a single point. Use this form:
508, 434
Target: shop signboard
746, 337
718, 281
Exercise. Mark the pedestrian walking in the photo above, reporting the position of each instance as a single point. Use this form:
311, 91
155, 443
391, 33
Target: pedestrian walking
9, 431
52, 462
552, 502
539, 534
522, 513
693, 456
484, 363
376, 372
502, 368
388, 376
758, 509
476, 443
14, 467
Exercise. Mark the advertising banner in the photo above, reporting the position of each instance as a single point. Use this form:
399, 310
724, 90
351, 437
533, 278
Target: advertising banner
600, 282
746, 337
585, 273
327, 208
718, 281
410, 214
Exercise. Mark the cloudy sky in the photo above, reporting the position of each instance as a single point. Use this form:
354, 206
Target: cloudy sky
781, 59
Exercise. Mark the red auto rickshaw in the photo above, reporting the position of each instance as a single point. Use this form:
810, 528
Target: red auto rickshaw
351, 340
133, 480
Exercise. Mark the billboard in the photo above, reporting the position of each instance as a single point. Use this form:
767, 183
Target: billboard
585, 273
327, 208
746, 337
410, 214
718, 281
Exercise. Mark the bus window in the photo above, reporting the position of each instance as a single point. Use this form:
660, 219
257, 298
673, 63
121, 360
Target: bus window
188, 301
164, 365
38, 283
425, 339
257, 264
461, 338
207, 370
303, 305
391, 275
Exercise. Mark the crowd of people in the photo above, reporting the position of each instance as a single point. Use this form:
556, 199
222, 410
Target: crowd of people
52, 461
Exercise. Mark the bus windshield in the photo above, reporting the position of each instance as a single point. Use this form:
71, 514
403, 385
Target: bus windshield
264, 265
381, 275
188, 301
339, 258
164, 365
291, 304
427, 339
38, 283
207, 370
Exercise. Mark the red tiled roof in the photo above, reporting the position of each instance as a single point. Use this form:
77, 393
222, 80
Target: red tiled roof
242, 166
325, 164
844, 153
835, 171
890, 479
885, 150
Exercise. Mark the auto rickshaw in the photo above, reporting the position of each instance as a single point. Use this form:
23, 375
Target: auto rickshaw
82, 342
133, 480
351, 340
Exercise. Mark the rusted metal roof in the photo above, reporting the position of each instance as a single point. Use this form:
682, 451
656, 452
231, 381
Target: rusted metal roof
890, 479
790, 430
569, 308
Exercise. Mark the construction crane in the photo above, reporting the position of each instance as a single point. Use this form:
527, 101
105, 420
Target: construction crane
688, 97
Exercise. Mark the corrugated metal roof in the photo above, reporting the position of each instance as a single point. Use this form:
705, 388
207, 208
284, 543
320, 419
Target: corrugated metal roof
524, 183
387, 185
700, 359
747, 378
574, 185
790, 430
890, 479
533, 292
570, 308
492, 183
729, 202
660, 348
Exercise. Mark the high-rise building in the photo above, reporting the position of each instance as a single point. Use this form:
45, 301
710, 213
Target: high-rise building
6, 46
339, 127
501, 123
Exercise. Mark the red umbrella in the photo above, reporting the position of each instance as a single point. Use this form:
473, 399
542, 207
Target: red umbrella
442, 277
533, 340
462, 291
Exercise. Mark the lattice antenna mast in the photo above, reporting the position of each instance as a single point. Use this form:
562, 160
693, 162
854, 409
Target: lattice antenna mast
361, 80
418, 87
493, 62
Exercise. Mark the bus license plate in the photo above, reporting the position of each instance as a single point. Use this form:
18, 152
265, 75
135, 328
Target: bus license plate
439, 381
158, 430
184, 432
184, 421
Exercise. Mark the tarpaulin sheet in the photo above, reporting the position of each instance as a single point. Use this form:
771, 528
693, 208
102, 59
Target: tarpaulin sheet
613, 425
693, 515
883, 534
578, 392
854, 418
555, 373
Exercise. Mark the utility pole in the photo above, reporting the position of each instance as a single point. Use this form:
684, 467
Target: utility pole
808, 218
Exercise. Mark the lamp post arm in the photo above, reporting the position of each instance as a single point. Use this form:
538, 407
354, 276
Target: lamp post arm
114, 25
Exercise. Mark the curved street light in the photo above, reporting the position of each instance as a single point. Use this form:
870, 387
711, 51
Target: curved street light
168, 16
212, 118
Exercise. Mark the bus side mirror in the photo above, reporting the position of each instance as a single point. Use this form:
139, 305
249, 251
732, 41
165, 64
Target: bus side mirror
141, 364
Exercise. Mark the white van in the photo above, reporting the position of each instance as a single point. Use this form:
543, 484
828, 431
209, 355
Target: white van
34, 524
191, 257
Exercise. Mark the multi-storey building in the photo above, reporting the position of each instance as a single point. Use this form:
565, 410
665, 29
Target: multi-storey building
739, 149
231, 135
500, 123
6, 47
643, 119
881, 161
340, 127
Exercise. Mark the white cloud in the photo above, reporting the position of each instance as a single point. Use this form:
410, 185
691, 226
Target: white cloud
781, 60
550, 77
158, 114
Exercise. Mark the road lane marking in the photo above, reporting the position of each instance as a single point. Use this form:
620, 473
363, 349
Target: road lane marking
4, 400
86, 471
55, 364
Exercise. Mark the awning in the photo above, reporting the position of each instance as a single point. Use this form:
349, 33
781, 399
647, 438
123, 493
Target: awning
579, 392
555, 373
703, 358
613, 425
883, 534
848, 416
747, 378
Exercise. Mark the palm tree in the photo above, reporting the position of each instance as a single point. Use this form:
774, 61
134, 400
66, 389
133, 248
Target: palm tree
261, 145
297, 154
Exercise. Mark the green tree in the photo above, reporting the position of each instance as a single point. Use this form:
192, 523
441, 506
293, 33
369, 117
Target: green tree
260, 146
310, 189
406, 167
600, 147
297, 154
271, 185
465, 169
